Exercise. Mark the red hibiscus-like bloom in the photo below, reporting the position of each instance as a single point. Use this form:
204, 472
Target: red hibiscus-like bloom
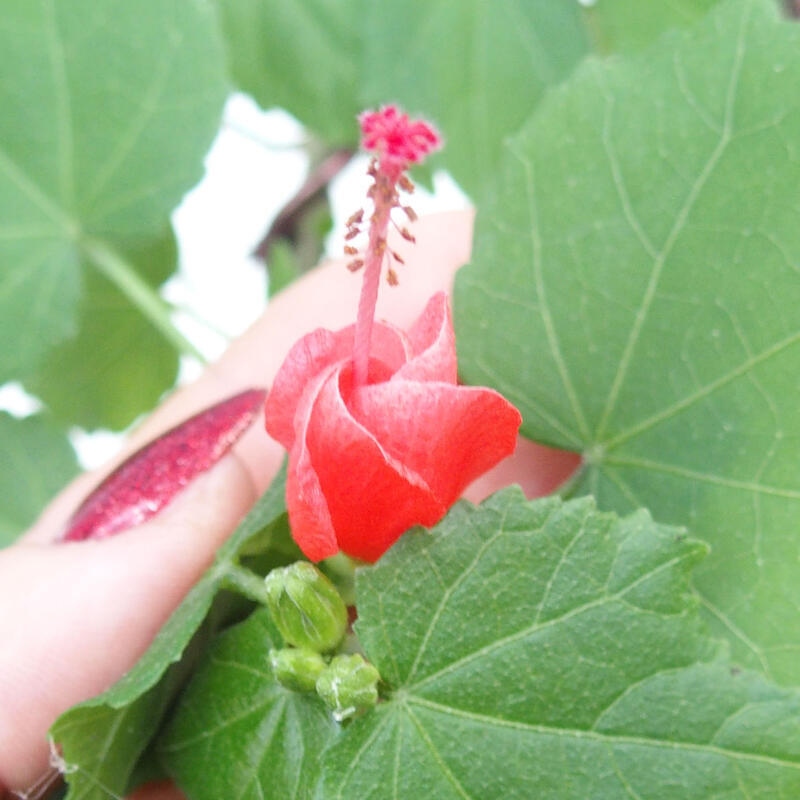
368, 462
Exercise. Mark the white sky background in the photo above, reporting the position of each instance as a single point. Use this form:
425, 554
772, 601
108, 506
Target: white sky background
256, 163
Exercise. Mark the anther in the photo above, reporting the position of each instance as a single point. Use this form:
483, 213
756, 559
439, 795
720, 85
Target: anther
405, 184
355, 219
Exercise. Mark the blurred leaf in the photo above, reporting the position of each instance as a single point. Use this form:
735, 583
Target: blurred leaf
239, 733
546, 650
646, 221
119, 364
301, 56
103, 738
108, 109
476, 69
37, 461
618, 26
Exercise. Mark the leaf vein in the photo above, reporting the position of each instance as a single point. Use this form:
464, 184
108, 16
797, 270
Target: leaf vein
603, 738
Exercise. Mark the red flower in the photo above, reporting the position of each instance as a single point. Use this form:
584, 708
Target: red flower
368, 462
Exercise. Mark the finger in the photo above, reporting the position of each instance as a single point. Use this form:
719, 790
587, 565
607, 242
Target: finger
77, 616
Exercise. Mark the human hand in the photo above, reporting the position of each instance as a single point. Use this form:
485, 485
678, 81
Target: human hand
66, 607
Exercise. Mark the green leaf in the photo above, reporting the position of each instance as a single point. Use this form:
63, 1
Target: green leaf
108, 109
119, 364
237, 732
635, 291
37, 461
102, 739
618, 26
301, 56
548, 650
324, 61
476, 69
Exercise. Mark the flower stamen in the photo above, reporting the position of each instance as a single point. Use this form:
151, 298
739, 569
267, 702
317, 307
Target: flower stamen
397, 142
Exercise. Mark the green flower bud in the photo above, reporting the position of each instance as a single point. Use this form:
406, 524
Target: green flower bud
348, 685
296, 668
306, 607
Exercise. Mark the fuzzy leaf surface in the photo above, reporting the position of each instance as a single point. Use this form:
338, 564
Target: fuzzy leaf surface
646, 222
549, 650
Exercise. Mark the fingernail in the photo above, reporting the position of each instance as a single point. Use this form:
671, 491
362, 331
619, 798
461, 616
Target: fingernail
148, 481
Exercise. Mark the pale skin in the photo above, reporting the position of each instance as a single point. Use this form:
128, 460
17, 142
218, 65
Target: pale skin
76, 617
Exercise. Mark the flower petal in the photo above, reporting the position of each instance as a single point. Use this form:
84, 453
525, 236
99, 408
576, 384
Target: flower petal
313, 354
433, 345
309, 517
372, 497
449, 435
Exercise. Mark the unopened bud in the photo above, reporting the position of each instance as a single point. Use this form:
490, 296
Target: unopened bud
348, 684
305, 606
296, 668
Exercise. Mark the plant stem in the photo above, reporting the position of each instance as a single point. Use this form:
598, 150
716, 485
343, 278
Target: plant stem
149, 303
246, 583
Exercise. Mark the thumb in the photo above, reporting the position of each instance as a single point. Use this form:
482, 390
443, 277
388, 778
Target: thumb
77, 616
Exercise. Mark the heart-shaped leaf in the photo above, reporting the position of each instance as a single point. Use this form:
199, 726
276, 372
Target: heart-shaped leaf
551, 651
635, 292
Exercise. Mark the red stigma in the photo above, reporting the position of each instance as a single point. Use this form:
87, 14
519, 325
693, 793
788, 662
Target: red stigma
397, 140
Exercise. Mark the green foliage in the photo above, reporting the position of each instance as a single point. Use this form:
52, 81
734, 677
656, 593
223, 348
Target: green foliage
648, 296
551, 651
617, 26
37, 460
301, 56
477, 69
527, 650
109, 108
118, 364
634, 290
239, 733
107, 111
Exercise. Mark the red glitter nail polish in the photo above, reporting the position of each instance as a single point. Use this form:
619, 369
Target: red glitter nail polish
148, 481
